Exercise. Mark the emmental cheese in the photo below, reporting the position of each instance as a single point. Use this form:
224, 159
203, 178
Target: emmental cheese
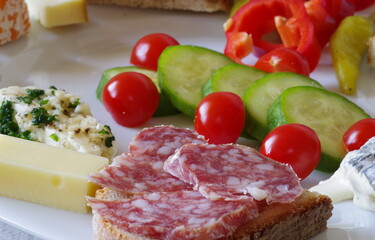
53, 13
47, 175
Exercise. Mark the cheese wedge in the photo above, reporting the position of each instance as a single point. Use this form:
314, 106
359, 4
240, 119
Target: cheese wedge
47, 175
53, 13
14, 20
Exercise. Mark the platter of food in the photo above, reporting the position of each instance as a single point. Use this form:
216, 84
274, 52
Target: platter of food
74, 57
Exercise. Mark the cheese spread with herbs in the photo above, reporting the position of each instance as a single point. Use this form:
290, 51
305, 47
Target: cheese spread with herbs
54, 117
355, 179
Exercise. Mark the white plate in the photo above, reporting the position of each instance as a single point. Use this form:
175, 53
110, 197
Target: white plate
74, 57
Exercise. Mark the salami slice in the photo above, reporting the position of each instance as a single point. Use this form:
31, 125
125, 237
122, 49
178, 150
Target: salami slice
141, 170
177, 215
231, 172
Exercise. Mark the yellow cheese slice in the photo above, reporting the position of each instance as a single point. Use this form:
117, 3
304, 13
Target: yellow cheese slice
52, 13
47, 175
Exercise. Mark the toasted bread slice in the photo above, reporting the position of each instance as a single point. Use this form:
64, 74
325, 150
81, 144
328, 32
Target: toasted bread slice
302, 219
191, 5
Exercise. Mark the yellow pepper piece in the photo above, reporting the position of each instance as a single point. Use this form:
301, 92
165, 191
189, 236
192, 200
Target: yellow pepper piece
348, 45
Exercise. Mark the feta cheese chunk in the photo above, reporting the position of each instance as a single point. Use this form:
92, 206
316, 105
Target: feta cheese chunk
354, 179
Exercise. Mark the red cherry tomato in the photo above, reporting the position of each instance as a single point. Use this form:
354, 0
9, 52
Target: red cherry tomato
283, 60
147, 50
131, 98
220, 117
293, 144
359, 133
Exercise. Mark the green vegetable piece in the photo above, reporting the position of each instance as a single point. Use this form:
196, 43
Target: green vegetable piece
165, 107
348, 45
31, 95
327, 113
41, 117
74, 104
235, 78
182, 72
260, 95
7, 125
54, 137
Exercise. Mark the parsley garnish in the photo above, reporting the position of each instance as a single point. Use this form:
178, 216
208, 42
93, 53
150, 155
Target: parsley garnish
7, 125
108, 141
74, 104
41, 117
31, 95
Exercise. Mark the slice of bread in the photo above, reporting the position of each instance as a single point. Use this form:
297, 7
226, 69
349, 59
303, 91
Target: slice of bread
191, 5
302, 219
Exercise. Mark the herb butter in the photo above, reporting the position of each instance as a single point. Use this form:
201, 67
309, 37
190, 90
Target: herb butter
54, 117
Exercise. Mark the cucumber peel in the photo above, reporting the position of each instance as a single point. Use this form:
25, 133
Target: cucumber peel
165, 107
235, 78
260, 95
182, 72
327, 113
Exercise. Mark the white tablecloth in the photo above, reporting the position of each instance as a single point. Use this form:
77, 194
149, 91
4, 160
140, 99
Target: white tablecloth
8, 232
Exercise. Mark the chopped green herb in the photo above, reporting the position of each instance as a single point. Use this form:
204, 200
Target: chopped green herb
53, 90
25, 99
103, 132
74, 104
108, 141
43, 102
31, 95
54, 137
41, 117
7, 125
35, 93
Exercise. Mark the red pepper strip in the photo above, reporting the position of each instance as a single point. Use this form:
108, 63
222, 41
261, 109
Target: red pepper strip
324, 23
340, 9
239, 45
362, 4
257, 18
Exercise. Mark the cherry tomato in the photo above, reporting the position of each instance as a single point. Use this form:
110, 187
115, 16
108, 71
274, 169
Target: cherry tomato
131, 98
220, 117
147, 50
283, 60
359, 133
293, 144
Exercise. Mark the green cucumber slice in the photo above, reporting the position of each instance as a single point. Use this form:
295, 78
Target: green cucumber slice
233, 78
327, 113
165, 107
182, 72
260, 95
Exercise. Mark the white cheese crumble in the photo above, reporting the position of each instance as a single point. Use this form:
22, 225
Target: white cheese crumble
73, 126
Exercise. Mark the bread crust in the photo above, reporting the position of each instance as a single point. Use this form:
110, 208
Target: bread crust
302, 219
191, 5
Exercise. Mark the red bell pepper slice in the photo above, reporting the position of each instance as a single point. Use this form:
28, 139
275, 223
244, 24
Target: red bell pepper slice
257, 18
362, 4
324, 23
340, 9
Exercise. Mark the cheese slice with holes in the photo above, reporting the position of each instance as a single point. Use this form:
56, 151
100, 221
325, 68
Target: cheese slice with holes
53, 13
47, 175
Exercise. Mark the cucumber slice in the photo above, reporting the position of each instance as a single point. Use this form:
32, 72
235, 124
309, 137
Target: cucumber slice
260, 95
233, 78
183, 69
165, 107
327, 113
